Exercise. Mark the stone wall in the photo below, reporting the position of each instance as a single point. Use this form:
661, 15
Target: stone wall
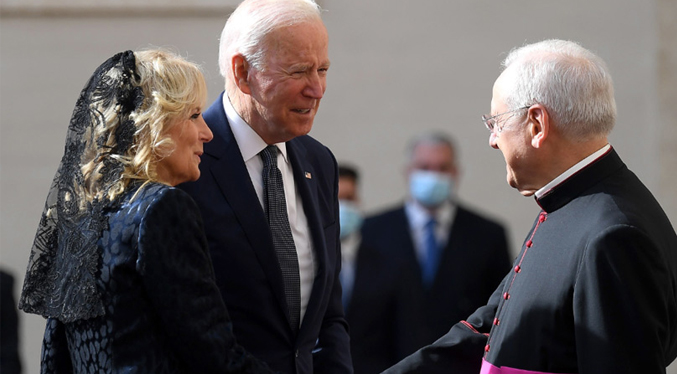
667, 99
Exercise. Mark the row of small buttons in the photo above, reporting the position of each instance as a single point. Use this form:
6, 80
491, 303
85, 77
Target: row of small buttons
518, 269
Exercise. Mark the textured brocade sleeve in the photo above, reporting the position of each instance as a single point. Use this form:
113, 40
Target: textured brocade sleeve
621, 304
55, 357
177, 273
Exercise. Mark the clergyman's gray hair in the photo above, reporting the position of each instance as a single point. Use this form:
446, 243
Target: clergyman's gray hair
572, 83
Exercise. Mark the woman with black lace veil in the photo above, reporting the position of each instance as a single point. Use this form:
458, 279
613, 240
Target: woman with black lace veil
120, 265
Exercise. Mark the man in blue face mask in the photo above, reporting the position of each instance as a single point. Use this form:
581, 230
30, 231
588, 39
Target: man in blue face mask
351, 219
458, 256
378, 296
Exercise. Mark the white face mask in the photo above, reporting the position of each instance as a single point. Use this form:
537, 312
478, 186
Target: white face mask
350, 218
430, 188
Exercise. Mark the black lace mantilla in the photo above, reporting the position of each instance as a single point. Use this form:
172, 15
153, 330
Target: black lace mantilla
62, 270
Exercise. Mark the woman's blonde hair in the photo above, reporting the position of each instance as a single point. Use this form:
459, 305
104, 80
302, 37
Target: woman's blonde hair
172, 87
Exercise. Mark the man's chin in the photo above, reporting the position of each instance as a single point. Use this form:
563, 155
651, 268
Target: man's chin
303, 129
526, 192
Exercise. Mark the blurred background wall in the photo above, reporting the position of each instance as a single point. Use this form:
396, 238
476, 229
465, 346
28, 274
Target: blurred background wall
399, 67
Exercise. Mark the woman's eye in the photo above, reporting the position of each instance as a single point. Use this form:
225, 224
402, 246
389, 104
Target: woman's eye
195, 116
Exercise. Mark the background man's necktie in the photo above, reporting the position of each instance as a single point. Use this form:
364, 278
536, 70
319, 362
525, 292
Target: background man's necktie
432, 250
283, 241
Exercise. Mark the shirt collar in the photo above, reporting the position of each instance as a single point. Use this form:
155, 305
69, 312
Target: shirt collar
576, 185
420, 216
571, 171
349, 246
249, 142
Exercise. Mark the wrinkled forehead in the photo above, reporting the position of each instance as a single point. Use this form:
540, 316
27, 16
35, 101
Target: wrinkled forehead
306, 35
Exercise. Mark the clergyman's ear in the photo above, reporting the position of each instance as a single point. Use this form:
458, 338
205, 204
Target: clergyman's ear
539, 124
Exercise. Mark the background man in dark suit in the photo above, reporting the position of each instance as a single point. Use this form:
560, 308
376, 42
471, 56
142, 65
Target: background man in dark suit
594, 289
268, 192
458, 256
10, 363
378, 289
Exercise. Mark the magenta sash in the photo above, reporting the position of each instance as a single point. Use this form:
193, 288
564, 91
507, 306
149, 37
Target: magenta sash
488, 368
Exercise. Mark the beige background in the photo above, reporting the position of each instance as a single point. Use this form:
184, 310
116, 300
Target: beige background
398, 67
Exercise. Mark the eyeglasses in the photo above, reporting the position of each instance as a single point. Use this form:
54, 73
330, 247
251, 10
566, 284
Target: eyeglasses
492, 122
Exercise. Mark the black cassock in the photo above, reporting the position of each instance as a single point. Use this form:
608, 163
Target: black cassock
593, 290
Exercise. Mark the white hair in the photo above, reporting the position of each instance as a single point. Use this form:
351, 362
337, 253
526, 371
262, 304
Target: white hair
430, 138
250, 23
573, 84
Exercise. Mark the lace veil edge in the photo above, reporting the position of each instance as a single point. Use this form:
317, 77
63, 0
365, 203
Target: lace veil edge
63, 268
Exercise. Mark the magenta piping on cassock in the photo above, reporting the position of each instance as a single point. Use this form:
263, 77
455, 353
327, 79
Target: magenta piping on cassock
488, 368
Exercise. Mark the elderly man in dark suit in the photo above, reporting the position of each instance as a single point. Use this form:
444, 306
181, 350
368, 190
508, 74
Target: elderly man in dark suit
10, 363
268, 192
458, 256
594, 289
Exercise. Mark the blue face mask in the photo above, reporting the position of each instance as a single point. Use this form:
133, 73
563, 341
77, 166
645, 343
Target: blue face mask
430, 188
350, 217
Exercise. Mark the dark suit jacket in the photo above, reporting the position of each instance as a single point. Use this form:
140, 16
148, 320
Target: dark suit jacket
380, 311
9, 327
247, 270
473, 263
594, 289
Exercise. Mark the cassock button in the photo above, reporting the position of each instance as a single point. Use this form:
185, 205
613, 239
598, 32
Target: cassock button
496, 322
486, 348
506, 296
529, 243
518, 269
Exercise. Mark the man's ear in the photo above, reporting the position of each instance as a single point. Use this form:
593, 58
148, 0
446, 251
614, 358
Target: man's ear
240, 69
539, 125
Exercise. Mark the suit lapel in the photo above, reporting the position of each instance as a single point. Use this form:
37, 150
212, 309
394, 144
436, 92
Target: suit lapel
307, 187
232, 177
402, 239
